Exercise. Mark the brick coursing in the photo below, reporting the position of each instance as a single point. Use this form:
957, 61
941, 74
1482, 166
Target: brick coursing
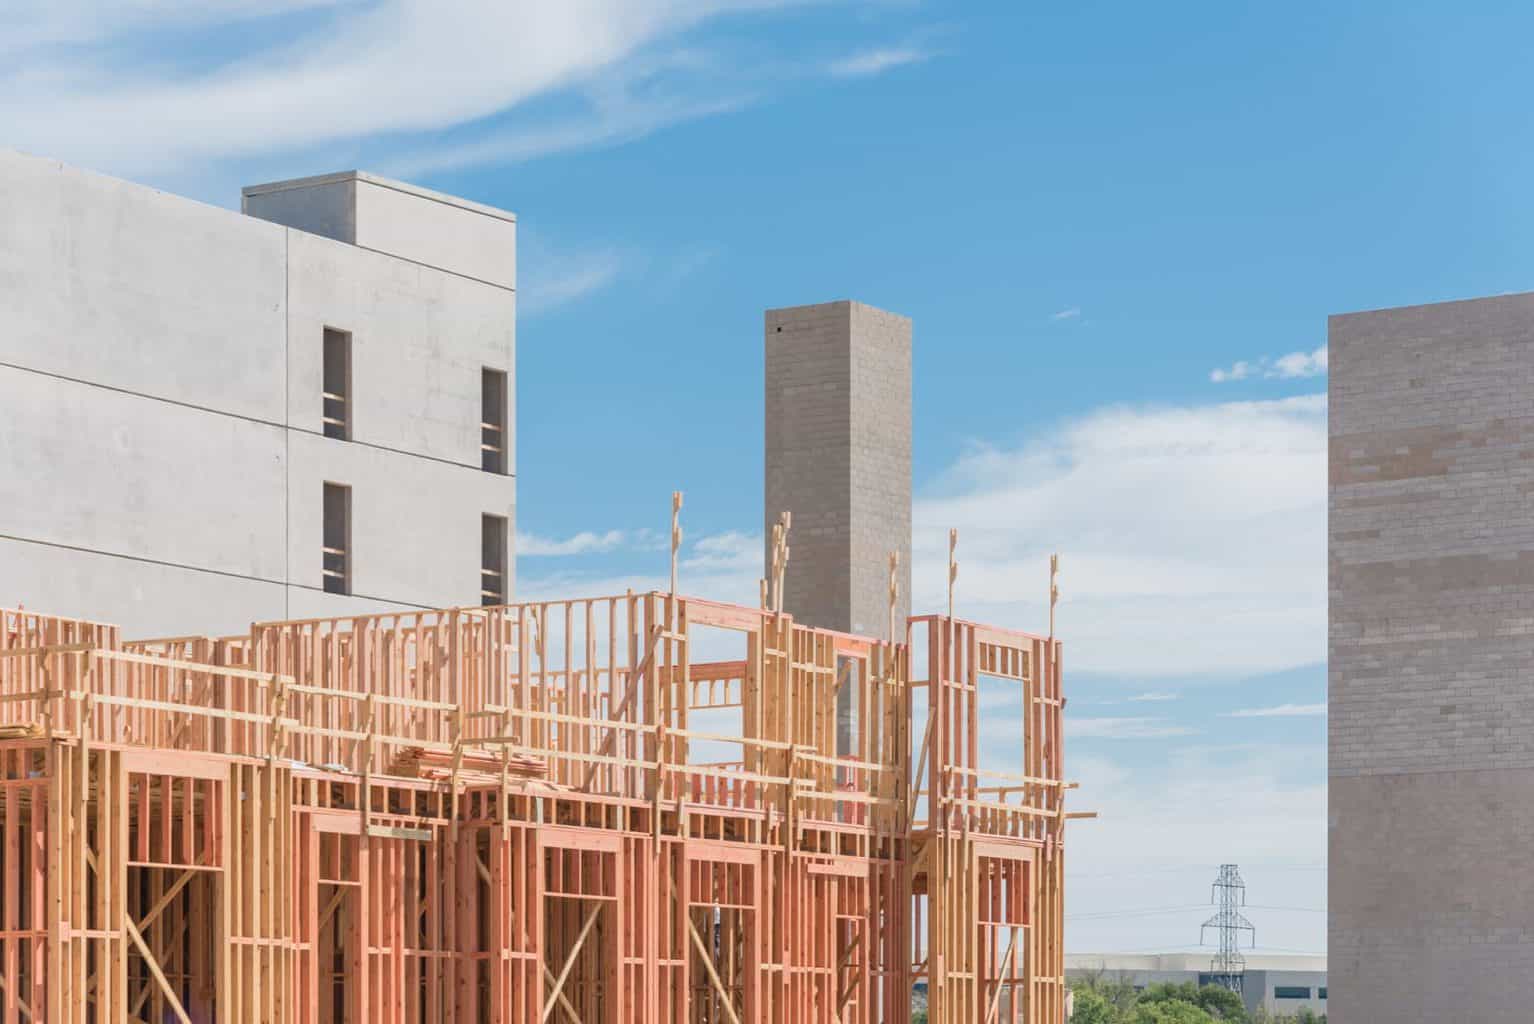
838, 456
1431, 662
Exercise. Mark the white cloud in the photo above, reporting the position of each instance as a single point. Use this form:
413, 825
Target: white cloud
727, 552
723, 567
1123, 728
1192, 538
396, 69
584, 543
610, 121
555, 279
1285, 367
1238, 371
877, 61
1280, 711
36, 23
1161, 835
1153, 696
1066, 314
1301, 364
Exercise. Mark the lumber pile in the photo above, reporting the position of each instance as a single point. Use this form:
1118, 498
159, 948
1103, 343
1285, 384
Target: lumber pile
478, 766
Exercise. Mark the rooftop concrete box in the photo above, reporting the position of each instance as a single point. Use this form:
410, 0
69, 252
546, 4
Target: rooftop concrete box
393, 217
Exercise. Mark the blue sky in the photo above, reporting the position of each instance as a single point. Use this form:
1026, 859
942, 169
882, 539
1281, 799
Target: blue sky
1119, 229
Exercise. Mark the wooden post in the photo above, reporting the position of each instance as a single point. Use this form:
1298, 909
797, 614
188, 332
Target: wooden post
676, 535
779, 566
953, 567
1054, 591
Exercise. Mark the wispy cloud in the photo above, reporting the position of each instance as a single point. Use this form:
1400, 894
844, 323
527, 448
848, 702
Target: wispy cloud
38, 23
1066, 314
555, 279
726, 552
1153, 510
1124, 728
877, 61
1153, 697
584, 543
404, 86
723, 567
1278, 838
1280, 711
1285, 367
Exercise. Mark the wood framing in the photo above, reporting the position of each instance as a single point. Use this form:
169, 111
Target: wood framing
594, 811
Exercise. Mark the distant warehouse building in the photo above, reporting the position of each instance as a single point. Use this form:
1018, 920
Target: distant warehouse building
1279, 984
209, 418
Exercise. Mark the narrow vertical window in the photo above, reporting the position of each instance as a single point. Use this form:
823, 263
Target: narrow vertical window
336, 388
337, 559
492, 421
492, 560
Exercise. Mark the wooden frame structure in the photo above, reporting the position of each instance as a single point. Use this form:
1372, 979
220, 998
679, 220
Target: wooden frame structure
527, 813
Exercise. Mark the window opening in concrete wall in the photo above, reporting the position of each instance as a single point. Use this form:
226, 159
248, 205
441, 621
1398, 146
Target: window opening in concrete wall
492, 426
337, 561
336, 388
492, 560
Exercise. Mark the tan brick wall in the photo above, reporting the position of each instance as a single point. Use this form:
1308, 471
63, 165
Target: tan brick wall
838, 456
1431, 663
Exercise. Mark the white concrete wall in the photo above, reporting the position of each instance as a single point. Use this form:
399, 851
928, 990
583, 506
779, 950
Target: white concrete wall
396, 218
327, 206
417, 535
420, 339
146, 598
121, 285
122, 474
161, 452
437, 230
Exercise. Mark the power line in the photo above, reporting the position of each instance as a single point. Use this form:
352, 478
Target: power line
1072, 875
1194, 946
1092, 915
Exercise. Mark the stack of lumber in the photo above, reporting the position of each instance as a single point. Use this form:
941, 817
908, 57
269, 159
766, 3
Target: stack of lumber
479, 766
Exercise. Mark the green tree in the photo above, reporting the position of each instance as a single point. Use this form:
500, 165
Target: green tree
1169, 1011
1092, 1007
1221, 1004
1118, 992
1304, 1016
1170, 992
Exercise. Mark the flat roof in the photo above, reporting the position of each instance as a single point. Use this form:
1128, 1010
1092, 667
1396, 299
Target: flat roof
1190, 962
1430, 305
382, 182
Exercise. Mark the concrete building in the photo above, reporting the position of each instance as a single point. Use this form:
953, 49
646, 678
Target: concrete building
838, 433
1279, 984
1431, 711
209, 418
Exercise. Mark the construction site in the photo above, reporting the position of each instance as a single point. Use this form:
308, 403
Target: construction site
401, 797
500, 814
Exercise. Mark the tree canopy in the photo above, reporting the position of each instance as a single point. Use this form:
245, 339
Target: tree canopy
1103, 1000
